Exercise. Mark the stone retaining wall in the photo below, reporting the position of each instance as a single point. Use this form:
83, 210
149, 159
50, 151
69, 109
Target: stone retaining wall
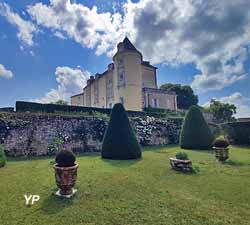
31, 134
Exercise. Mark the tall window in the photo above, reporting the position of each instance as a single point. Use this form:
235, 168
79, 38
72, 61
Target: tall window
109, 89
155, 102
120, 73
96, 92
122, 100
79, 100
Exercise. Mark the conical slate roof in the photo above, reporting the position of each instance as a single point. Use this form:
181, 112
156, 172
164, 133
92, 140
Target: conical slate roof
128, 45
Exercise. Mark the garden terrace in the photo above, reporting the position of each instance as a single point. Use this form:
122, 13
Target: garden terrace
134, 192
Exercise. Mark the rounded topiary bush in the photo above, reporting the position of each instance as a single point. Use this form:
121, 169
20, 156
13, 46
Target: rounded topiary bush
65, 158
119, 140
221, 143
195, 132
2, 157
181, 155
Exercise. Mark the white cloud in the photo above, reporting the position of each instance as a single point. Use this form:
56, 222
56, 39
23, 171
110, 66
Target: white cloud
70, 81
241, 102
86, 26
59, 35
210, 34
26, 29
4, 72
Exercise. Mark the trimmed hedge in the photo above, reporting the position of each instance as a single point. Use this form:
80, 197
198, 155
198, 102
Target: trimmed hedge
7, 109
53, 108
22, 106
119, 140
238, 132
195, 132
2, 157
162, 113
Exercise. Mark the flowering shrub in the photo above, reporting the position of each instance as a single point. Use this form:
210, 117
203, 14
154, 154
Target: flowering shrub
151, 130
144, 128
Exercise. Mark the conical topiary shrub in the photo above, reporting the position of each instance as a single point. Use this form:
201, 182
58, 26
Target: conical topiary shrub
2, 157
195, 133
119, 140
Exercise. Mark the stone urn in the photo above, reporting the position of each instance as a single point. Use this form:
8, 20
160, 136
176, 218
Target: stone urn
65, 173
181, 165
221, 149
181, 162
65, 180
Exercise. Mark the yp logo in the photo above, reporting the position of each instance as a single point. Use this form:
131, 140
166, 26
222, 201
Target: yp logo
31, 199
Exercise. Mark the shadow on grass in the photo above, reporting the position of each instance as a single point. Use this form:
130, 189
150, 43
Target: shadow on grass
245, 147
210, 151
122, 163
28, 158
54, 204
158, 148
234, 163
195, 171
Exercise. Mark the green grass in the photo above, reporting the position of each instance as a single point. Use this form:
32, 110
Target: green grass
131, 192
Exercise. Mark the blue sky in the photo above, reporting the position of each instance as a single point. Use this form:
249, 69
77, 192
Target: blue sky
49, 48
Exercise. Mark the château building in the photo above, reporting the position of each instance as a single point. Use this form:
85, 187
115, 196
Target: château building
128, 80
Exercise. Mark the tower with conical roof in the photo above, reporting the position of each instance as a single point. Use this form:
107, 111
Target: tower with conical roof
127, 75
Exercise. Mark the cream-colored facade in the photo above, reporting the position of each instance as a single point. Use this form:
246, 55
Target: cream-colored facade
128, 80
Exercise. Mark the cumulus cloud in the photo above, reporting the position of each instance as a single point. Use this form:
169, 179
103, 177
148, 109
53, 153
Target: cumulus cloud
213, 35
26, 29
241, 102
4, 72
70, 81
86, 26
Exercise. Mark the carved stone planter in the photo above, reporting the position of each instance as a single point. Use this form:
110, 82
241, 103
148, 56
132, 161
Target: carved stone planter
181, 165
65, 180
221, 154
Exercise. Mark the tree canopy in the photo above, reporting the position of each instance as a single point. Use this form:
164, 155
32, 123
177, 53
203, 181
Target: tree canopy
222, 112
185, 95
60, 102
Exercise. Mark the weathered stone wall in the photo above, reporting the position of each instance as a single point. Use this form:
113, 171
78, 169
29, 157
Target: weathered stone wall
26, 134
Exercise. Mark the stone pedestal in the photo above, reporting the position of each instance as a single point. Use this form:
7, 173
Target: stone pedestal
221, 154
181, 165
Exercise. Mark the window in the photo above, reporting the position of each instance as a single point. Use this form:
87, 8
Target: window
121, 76
96, 93
109, 89
122, 100
155, 102
120, 73
110, 105
79, 100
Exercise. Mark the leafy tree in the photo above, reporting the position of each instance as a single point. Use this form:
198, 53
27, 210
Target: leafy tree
185, 95
60, 102
119, 140
55, 146
195, 132
222, 112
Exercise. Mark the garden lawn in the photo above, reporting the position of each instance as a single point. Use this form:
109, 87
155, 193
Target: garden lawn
132, 192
